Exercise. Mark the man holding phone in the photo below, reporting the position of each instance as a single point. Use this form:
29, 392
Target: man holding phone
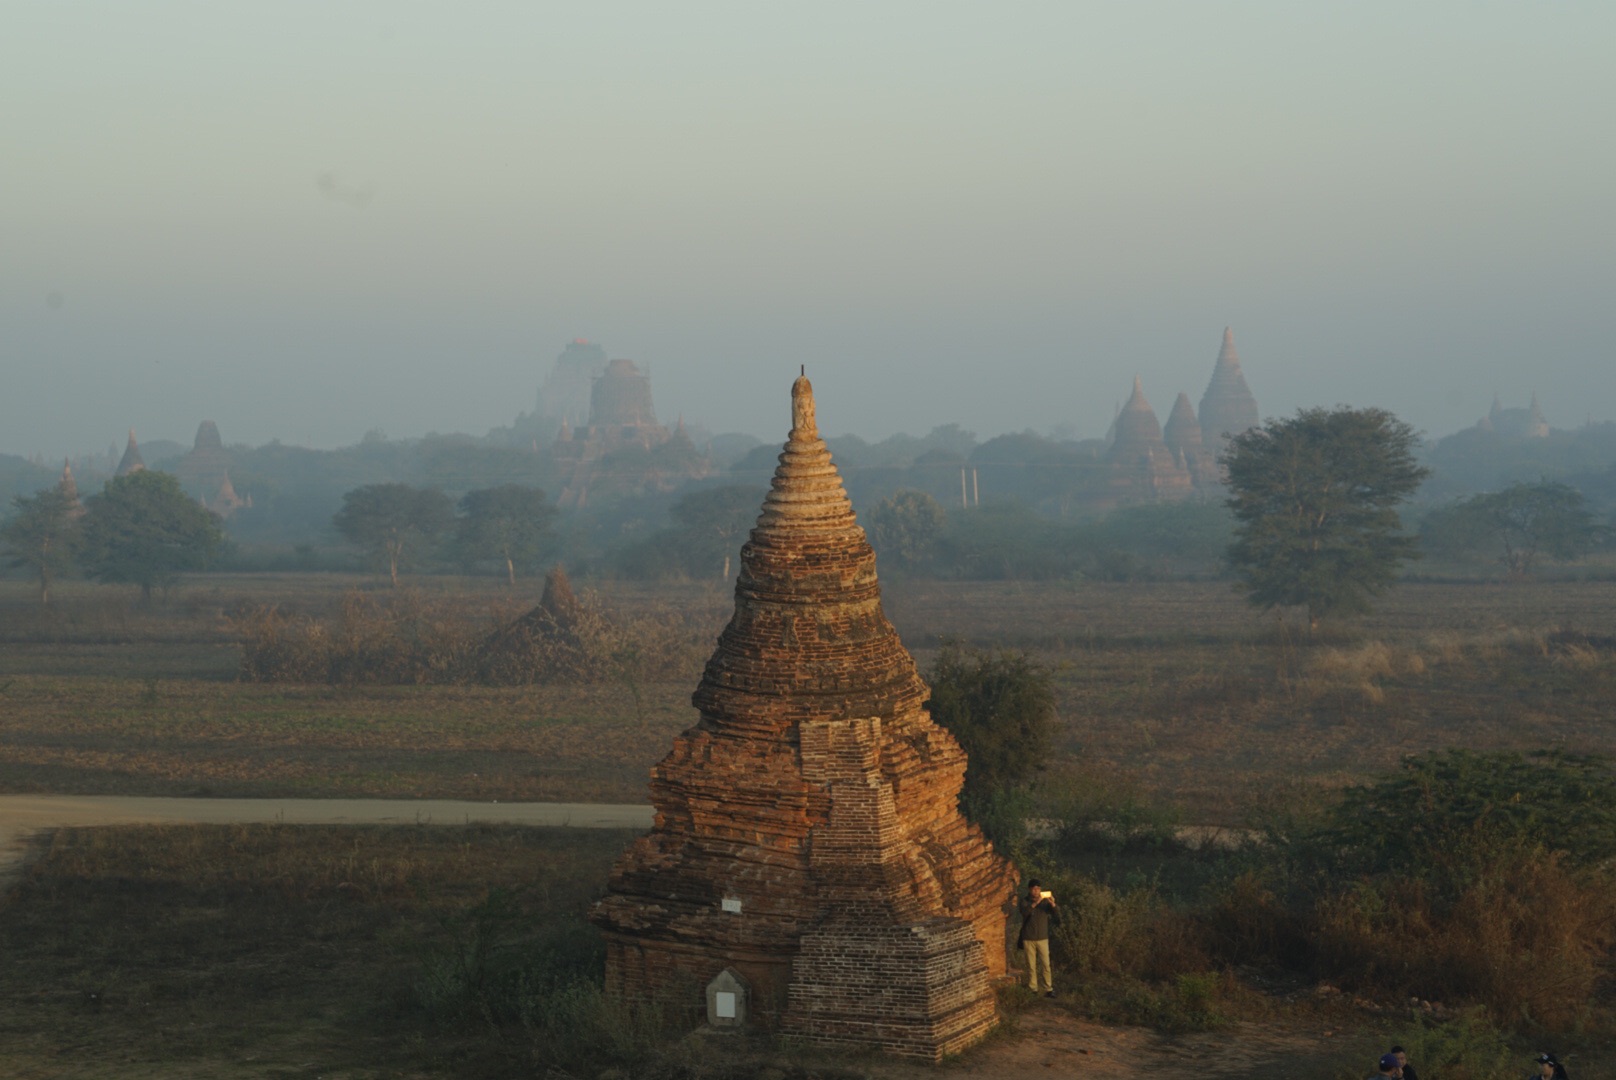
1039, 916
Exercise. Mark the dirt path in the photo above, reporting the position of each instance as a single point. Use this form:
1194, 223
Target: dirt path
1049, 1041
22, 816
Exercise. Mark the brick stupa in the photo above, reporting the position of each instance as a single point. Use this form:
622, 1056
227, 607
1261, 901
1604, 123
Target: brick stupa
808, 835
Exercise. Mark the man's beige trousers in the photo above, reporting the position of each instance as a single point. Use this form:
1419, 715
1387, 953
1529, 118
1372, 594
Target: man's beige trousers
1037, 952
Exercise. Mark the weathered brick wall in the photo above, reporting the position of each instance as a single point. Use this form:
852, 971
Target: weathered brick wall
817, 794
911, 988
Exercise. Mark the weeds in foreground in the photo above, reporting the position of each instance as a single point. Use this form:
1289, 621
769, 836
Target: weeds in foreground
1464, 1047
1469, 880
496, 967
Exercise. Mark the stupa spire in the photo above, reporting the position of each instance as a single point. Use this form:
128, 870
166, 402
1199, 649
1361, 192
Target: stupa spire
1182, 431
69, 487
1137, 429
1227, 407
807, 491
131, 461
1536, 426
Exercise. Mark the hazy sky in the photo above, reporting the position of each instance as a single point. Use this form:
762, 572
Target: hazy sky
306, 220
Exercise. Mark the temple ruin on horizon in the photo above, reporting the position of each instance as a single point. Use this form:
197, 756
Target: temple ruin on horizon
622, 420
68, 485
565, 395
1227, 407
809, 869
204, 473
1149, 463
131, 462
1516, 423
1143, 469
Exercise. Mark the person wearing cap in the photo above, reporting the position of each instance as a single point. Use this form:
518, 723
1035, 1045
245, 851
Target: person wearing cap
1038, 916
1401, 1055
1549, 1068
1388, 1067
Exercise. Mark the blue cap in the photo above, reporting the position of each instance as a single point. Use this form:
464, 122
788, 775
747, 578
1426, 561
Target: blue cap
1388, 1062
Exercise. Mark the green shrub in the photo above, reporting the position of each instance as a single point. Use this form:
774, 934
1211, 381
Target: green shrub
1244, 922
1000, 705
1105, 811
1528, 938
497, 971
1448, 812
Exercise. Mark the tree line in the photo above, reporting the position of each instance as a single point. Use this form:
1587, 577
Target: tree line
509, 526
1313, 519
142, 529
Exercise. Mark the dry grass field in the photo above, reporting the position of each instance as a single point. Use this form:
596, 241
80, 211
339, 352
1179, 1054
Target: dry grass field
278, 951
1175, 693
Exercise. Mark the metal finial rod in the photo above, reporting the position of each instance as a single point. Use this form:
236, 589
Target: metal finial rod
802, 369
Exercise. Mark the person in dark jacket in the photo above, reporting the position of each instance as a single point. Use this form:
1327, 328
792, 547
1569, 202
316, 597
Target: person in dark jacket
1039, 916
1549, 1068
1408, 1072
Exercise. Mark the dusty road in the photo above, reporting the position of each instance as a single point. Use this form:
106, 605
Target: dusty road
21, 816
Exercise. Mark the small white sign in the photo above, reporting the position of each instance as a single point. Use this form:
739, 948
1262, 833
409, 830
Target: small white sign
733, 906
725, 1005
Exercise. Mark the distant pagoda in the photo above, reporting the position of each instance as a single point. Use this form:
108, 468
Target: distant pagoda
205, 469
1517, 422
131, 461
69, 487
1143, 468
1183, 436
565, 394
808, 846
1536, 426
623, 426
226, 502
1228, 407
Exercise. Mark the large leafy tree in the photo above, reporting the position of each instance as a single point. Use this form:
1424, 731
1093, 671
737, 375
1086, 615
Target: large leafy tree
41, 535
143, 529
713, 520
510, 523
1000, 705
1315, 500
394, 521
1521, 523
907, 525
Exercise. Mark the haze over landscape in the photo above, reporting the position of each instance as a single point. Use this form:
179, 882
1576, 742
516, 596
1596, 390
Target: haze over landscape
309, 221
532, 535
